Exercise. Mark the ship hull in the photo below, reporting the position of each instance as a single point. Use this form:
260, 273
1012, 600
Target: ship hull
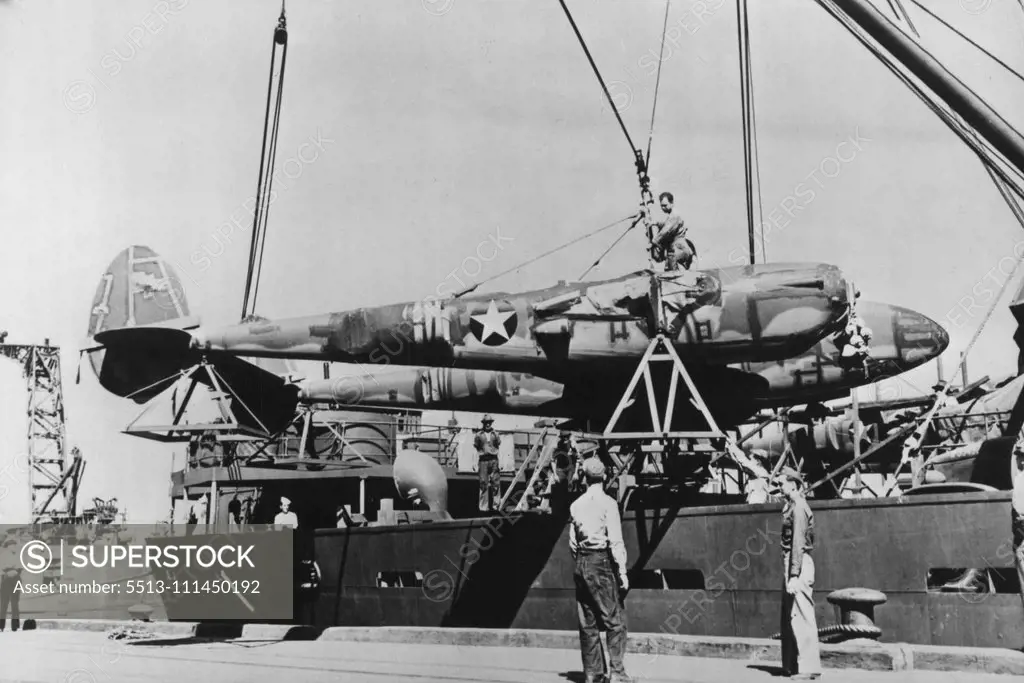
708, 571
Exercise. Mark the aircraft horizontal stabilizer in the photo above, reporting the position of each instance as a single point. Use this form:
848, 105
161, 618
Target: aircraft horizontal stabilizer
262, 400
244, 399
156, 338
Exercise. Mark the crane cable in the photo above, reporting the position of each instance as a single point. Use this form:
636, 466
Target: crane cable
640, 161
974, 44
593, 65
751, 163
1014, 205
901, 13
982, 148
571, 242
650, 142
646, 198
657, 84
264, 181
912, 446
609, 249
1003, 183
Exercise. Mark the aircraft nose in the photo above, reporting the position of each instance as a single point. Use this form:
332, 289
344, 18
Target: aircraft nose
918, 337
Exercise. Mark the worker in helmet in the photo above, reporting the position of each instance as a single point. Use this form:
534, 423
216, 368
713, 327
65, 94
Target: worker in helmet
487, 442
599, 554
670, 243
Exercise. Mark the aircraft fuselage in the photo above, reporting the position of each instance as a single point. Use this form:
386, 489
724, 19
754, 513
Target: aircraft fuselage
741, 314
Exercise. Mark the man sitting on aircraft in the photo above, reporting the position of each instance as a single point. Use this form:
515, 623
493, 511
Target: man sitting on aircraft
670, 243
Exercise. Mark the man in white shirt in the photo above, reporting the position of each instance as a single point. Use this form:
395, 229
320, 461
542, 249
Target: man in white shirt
1017, 510
285, 518
595, 541
758, 488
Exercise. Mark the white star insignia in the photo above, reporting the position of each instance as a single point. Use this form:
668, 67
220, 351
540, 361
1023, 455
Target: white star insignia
493, 321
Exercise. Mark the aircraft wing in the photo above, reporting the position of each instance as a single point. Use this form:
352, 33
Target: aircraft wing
141, 362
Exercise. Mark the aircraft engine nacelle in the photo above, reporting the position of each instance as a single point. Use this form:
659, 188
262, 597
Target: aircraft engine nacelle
418, 476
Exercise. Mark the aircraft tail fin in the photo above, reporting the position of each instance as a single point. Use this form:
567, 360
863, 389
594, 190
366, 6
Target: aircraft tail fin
139, 290
139, 343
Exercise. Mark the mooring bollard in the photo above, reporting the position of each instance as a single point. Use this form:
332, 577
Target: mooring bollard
855, 612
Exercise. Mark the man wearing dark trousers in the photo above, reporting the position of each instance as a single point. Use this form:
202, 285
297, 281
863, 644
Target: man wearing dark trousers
670, 240
595, 541
487, 442
10, 571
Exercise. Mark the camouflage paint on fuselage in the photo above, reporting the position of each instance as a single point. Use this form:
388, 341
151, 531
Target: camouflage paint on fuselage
747, 313
566, 351
903, 340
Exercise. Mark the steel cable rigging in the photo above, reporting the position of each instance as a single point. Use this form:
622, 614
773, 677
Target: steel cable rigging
752, 171
265, 180
646, 200
640, 161
1012, 176
657, 84
963, 36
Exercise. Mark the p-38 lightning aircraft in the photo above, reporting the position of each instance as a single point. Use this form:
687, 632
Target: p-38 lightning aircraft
750, 337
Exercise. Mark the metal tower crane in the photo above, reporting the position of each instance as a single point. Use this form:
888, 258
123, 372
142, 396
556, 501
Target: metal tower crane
52, 480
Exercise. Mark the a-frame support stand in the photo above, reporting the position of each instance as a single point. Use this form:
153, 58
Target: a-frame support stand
661, 438
180, 429
661, 421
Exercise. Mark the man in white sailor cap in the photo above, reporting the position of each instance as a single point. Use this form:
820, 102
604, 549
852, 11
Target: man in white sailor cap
285, 517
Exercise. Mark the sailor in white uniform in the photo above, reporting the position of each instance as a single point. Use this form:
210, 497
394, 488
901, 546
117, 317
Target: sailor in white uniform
285, 518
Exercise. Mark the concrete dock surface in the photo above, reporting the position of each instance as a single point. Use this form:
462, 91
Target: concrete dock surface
48, 656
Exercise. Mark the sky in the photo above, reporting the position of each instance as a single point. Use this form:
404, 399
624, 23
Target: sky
426, 142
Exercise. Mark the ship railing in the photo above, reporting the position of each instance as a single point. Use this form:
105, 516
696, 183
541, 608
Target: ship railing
955, 430
378, 441
946, 434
